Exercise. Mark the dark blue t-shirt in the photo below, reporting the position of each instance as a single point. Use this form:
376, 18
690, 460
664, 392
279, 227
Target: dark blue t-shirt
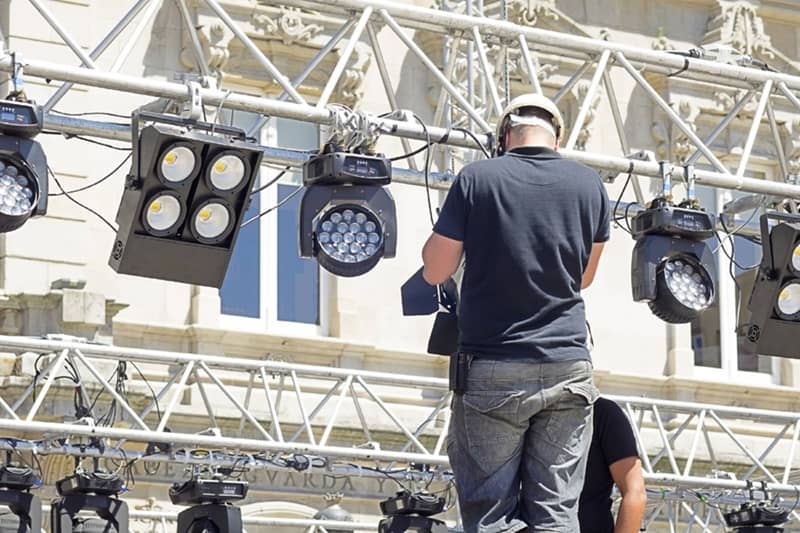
527, 220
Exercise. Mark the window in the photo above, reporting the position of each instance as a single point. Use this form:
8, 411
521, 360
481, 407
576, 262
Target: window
268, 286
719, 352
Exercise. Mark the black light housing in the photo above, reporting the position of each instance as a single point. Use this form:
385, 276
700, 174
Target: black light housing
408, 511
23, 165
212, 511
771, 320
24, 509
184, 199
88, 502
347, 214
671, 265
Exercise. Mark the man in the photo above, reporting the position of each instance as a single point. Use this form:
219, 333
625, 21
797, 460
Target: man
532, 226
613, 459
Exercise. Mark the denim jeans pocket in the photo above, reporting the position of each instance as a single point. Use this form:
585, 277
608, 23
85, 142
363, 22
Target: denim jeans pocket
493, 433
571, 414
585, 390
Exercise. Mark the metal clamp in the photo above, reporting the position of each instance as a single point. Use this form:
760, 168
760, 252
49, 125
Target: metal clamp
17, 77
766, 243
689, 177
354, 130
193, 107
665, 170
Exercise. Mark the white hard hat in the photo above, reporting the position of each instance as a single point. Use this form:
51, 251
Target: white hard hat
531, 100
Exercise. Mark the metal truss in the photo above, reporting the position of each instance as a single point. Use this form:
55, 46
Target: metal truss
469, 38
265, 413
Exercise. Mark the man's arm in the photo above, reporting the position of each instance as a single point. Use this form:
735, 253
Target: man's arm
441, 257
591, 267
627, 474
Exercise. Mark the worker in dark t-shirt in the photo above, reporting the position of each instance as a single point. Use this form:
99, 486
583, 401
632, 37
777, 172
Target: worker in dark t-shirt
531, 225
613, 459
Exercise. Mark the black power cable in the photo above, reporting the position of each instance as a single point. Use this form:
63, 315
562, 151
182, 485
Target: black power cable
87, 208
98, 182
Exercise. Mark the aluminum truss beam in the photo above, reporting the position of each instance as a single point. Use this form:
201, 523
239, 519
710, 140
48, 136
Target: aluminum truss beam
176, 91
681, 441
448, 22
476, 31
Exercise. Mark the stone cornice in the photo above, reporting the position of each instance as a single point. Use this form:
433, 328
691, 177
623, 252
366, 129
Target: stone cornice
309, 350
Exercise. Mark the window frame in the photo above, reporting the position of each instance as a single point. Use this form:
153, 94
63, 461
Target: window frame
268, 321
726, 297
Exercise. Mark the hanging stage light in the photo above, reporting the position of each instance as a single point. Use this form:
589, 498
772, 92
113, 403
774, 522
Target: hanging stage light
771, 319
94, 495
408, 511
671, 266
184, 200
211, 511
347, 215
24, 509
23, 165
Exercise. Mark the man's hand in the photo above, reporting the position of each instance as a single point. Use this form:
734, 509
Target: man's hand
627, 474
441, 257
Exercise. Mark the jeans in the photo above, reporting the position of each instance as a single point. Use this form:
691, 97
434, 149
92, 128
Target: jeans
518, 441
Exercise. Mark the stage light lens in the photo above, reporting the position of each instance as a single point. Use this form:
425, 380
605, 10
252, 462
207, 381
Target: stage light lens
796, 258
177, 164
16, 194
345, 230
227, 172
687, 284
211, 220
163, 212
789, 300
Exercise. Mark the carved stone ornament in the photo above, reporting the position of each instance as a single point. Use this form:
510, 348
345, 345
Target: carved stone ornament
671, 142
661, 43
792, 147
531, 12
737, 24
289, 26
573, 104
289, 37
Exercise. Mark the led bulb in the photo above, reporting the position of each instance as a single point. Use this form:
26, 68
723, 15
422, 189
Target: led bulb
227, 172
796, 258
163, 212
177, 164
211, 220
789, 299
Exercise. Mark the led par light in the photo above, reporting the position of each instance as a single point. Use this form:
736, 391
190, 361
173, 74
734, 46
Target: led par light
347, 215
184, 200
671, 265
23, 165
771, 321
